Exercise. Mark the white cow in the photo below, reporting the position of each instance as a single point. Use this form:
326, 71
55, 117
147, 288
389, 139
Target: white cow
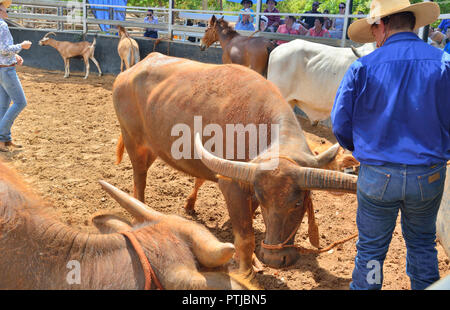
308, 74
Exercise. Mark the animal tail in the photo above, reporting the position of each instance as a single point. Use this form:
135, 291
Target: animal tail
270, 47
156, 43
137, 57
131, 56
254, 33
120, 150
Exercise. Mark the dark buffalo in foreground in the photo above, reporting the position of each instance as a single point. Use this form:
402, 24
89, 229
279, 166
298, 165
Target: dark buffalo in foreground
39, 252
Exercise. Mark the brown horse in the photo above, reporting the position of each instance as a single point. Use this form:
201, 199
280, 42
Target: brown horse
252, 52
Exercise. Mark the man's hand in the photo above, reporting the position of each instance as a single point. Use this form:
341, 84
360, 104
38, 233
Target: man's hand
19, 60
26, 45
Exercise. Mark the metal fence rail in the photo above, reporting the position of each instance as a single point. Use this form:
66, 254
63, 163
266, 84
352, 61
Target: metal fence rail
79, 16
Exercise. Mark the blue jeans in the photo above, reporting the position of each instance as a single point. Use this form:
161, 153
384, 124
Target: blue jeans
151, 34
382, 192
10, 89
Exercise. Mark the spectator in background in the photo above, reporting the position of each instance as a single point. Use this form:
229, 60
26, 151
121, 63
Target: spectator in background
438, 39
245, 21
318, 30
338, 23
247, 4
308, 22
327, 22
263, 24
430, 34
151, 19
444, 25
288, 28
274, 21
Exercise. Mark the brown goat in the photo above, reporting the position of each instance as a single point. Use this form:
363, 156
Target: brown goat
69, 50
38, 252
128, 50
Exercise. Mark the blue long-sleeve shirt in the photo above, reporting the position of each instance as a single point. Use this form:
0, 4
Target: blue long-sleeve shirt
8, 49
393, 105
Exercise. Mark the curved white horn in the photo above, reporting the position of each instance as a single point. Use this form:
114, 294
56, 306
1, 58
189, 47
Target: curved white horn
138, 209
233, 169
49, 33
355, 51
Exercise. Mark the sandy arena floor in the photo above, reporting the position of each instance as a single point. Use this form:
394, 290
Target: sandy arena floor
69, 131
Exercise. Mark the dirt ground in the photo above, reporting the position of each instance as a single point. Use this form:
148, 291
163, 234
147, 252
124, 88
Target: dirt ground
69, 131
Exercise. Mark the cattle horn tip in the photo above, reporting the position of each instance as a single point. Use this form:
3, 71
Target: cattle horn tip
137, 208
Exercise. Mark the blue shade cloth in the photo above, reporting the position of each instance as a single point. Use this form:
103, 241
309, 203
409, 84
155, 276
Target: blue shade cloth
393, 105
119, 13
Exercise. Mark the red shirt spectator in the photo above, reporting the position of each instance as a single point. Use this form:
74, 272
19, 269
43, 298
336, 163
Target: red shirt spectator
288, 28
318, 30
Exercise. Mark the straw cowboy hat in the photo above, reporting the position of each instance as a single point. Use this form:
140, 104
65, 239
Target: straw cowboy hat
425, 13
6, 3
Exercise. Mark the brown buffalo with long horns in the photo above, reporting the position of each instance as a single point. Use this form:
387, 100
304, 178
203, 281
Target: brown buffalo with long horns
39, 252
164, 96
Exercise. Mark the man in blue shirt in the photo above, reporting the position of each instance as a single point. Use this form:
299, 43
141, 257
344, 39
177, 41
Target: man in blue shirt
392, 110
151, 19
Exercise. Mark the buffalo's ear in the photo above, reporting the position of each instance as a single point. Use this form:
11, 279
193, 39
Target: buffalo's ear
110, 223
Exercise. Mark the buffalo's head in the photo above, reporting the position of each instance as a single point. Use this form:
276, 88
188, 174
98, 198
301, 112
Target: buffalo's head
281, 191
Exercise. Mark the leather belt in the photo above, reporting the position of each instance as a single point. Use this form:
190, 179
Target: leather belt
7, 66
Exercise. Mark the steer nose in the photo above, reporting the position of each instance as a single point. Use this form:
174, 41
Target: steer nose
279, 258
